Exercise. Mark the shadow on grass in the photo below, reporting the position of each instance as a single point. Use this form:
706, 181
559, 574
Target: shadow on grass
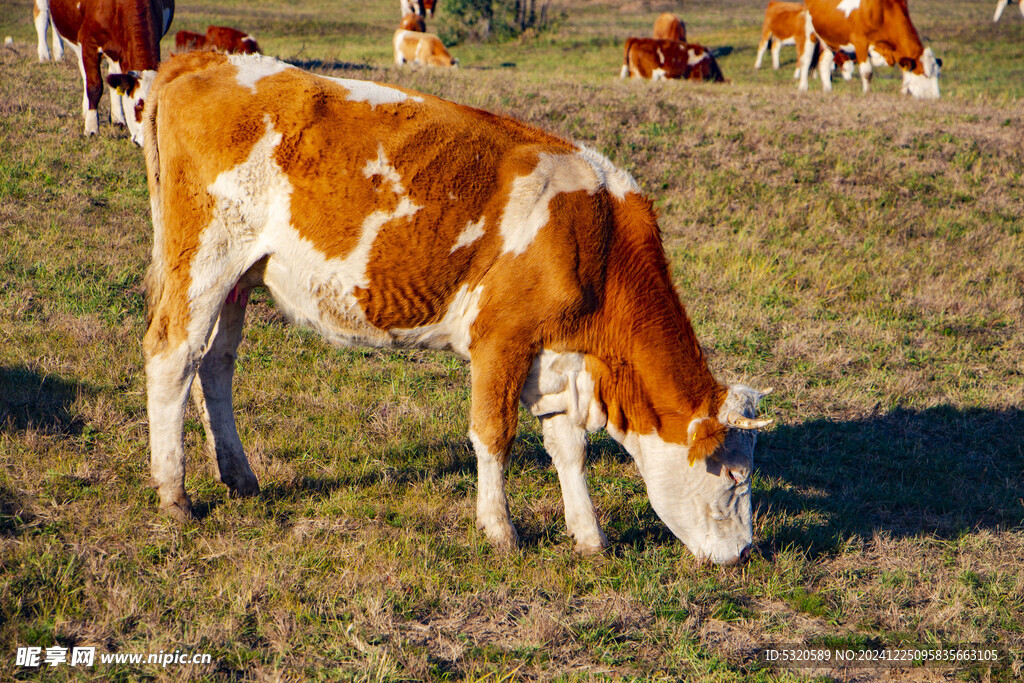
938, 472
29, 400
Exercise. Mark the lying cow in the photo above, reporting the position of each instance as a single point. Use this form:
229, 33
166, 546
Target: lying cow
186, 41
788, 23
44, 24
878, 31
1001, 5
127, 33
416, 47
533, 258
231, 41
669, 27
413, 22
658, 59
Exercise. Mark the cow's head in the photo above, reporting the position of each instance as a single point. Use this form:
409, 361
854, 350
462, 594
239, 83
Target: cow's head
250, 46
133, 87
701, 489
921, 76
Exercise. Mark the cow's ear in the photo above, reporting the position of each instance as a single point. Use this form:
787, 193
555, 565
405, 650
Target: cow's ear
939, 62
124, 84
705, 435
908, 63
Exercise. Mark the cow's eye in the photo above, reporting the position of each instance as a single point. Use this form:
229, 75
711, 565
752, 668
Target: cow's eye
139, 106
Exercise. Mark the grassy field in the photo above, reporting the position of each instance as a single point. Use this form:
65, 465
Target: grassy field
862, 254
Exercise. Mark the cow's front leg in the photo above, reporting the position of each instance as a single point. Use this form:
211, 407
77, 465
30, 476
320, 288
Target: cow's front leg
804, 62
497, 380
1000, 6
89, 65
117, 113
212, 396
865, 74
566, 443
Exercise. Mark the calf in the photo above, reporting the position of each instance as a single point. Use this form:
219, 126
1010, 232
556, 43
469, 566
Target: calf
420, 48
658, 59
788, 23
533, 258
876, 31
669, 27
127, 33
231, 40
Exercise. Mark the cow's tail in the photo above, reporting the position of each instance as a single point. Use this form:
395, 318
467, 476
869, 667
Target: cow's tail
624, 73
151, 146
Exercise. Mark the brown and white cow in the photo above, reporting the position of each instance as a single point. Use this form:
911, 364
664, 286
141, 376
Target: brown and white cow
669, 27
1001, 5
186, 41
415, 47
413, 22
421, 8
532, 257
127, 33
44, 23
875, 30
788, 23
231, 40
658, 59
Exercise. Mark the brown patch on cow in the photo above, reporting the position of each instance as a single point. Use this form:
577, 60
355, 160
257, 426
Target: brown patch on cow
412, 22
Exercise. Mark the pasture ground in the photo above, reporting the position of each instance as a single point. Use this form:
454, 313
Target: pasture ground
864, 255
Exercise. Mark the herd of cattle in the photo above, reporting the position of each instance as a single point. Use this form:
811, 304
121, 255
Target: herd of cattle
381, 216
828, 34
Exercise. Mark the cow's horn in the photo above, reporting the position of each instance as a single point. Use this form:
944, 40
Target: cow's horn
736, 420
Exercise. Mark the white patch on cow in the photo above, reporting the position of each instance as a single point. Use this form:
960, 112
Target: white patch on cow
661, 57
926, 85
452, 332
694, 58
382, 166
848, 6
527, 209
471, 233
657, 74
614, 179
624, 71
372, 93
253, 68
248, 199
491, 503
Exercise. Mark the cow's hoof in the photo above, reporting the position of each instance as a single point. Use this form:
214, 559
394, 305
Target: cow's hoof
243, 487
180, 509
590, 549
503, 537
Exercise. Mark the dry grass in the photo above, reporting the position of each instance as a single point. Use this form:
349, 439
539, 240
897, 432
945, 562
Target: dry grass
861, 254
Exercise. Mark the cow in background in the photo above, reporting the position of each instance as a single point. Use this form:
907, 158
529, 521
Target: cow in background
1001, 5
231, 41
414, 47
421, 8
878, 30
186, 41
413, 22
658, 59
669, 27
788, 23
532, 257
127, 33
44, 22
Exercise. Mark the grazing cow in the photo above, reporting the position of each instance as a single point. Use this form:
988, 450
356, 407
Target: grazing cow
875, 30
1000, 6
128, 33
44, 22
420, 48
413, 22
185, 41
533, 258
669, 27
657, 59
231, 40
788, 23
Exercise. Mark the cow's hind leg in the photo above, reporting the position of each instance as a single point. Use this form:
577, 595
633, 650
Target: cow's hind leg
212, 396
1000, 6
566, 443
